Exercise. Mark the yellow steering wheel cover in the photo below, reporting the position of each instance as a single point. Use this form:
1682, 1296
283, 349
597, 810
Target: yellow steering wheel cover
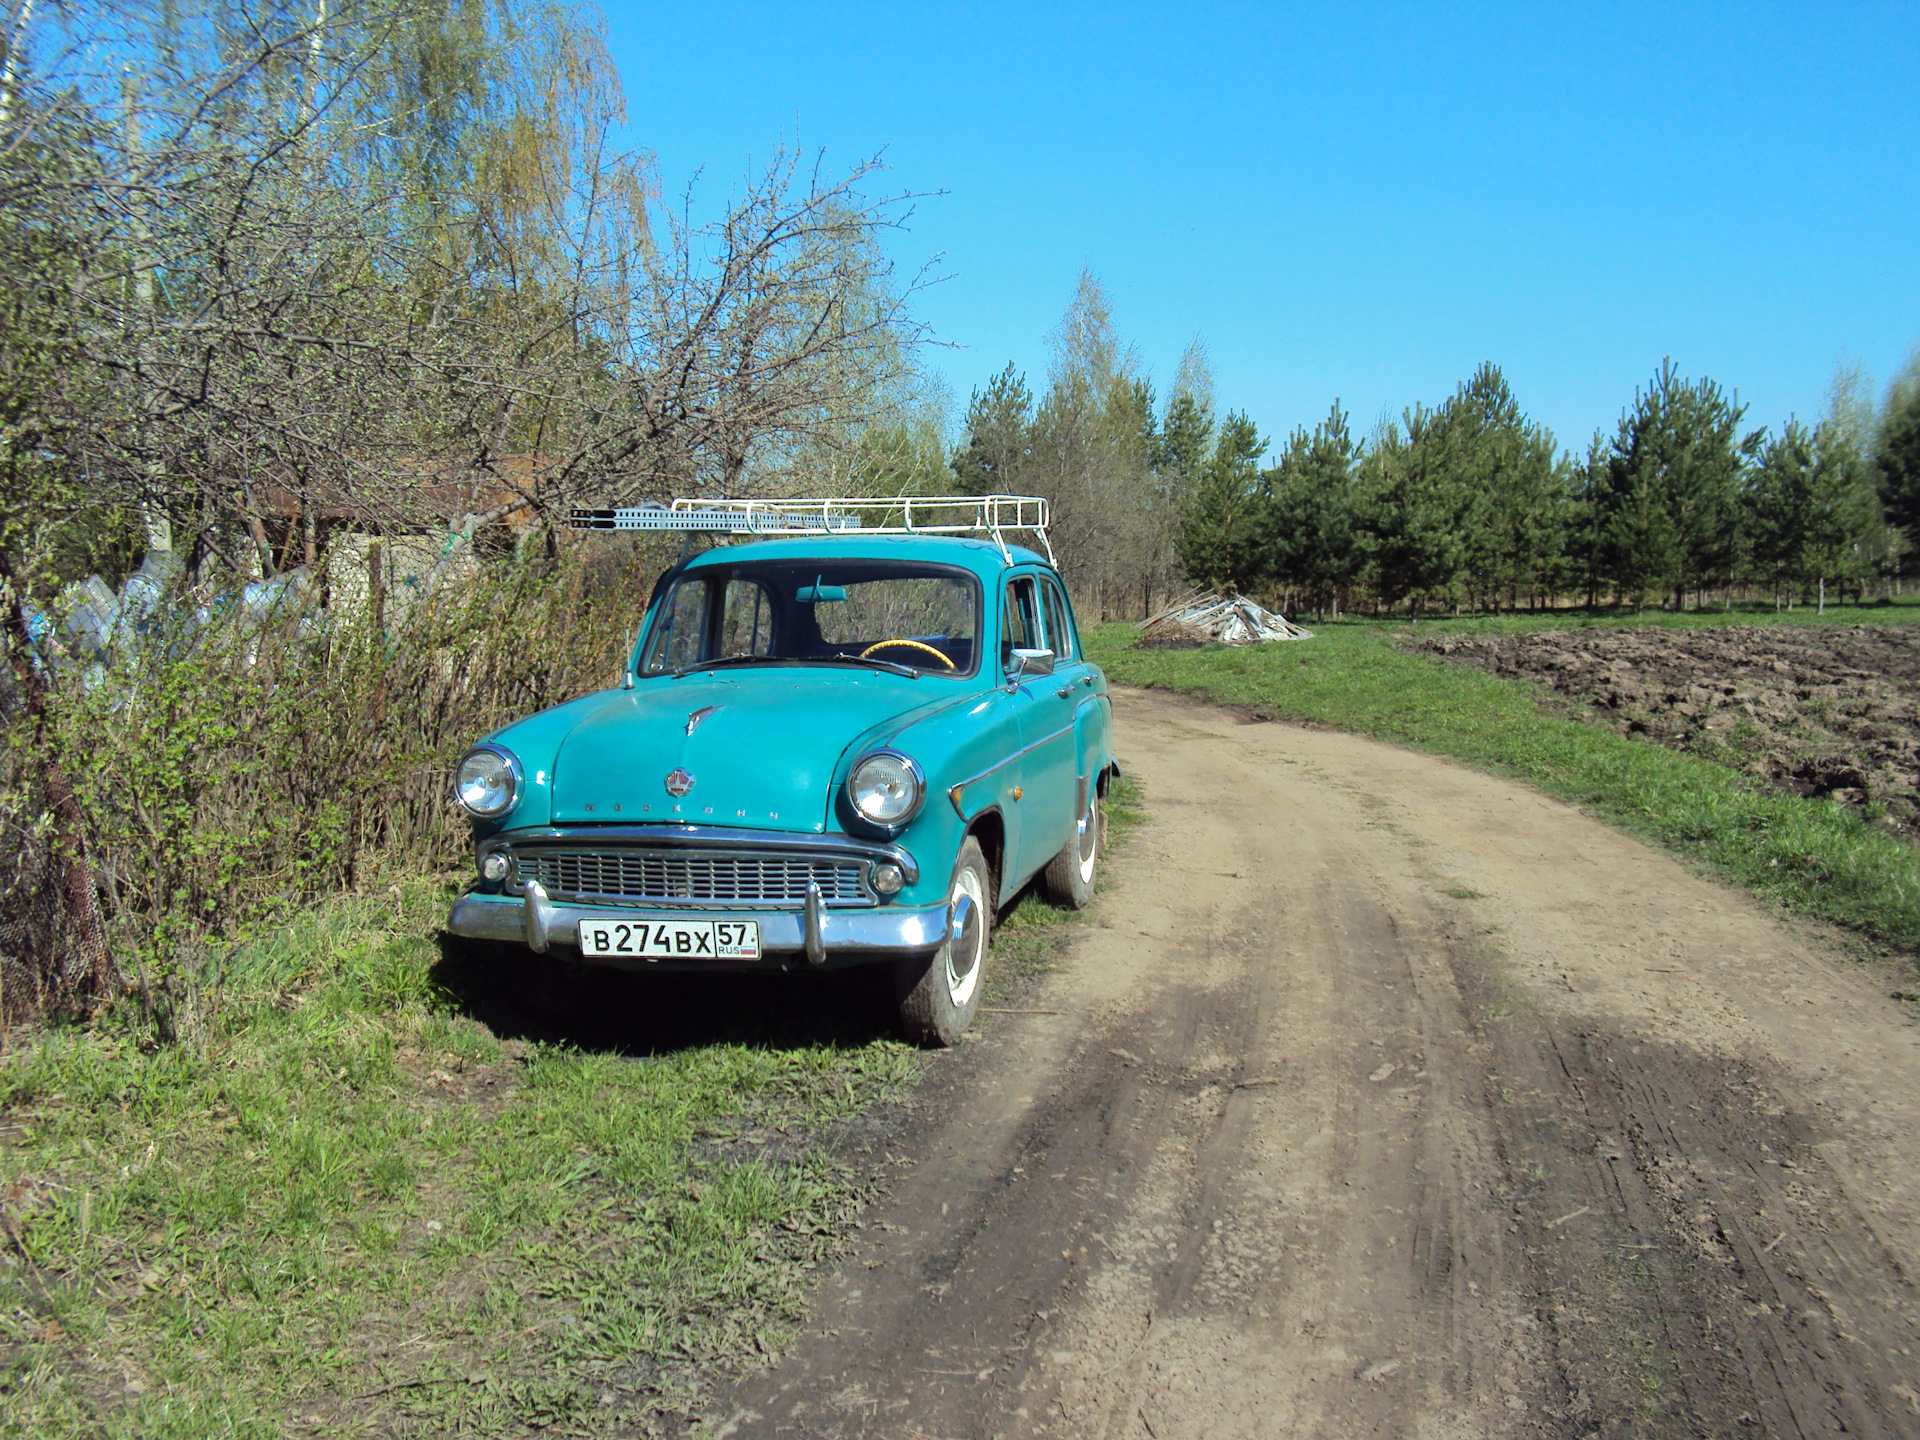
915, 644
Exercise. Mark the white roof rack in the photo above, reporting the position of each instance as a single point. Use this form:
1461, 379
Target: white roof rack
988, 515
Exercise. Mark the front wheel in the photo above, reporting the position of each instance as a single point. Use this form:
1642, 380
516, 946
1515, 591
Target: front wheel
939, 995
1068, 878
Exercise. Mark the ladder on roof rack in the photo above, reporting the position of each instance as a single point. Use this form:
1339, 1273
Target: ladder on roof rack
989, 515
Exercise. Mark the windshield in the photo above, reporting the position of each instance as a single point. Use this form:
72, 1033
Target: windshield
886, 614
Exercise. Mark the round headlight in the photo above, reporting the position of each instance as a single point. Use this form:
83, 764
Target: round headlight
886, 788
487, 782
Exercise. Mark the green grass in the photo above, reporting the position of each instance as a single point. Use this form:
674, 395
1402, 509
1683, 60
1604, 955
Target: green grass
1814, 857
364, 1192
351, 1205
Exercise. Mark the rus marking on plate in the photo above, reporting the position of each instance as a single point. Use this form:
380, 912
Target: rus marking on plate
679, 782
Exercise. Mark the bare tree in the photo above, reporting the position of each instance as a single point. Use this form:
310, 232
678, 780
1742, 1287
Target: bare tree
1092, 453
294, 305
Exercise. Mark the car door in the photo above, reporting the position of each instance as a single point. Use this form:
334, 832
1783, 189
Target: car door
1045, 708
1076, 687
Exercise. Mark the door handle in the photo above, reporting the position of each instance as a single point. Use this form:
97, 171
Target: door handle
1064, 691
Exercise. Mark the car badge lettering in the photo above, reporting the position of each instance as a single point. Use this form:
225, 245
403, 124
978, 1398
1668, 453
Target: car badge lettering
693, 720
679, 782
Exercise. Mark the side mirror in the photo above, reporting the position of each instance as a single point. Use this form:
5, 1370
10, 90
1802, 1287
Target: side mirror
1028, 663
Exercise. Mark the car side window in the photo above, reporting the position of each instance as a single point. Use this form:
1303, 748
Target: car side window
1061, 638
746, 620
681, 633
1019, 620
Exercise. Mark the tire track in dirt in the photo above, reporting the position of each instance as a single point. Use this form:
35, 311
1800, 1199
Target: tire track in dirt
1388, 1098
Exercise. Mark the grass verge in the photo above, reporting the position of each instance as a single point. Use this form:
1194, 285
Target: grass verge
350, 1205
368, 1193
1813, 857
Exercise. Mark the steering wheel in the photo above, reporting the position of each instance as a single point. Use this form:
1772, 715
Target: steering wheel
911, 644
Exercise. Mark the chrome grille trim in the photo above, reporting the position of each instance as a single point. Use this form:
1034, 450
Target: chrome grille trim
690, 877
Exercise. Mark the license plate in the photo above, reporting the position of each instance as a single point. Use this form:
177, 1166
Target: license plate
672, 939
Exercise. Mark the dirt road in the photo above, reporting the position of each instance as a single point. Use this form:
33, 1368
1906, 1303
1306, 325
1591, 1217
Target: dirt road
1387, 1098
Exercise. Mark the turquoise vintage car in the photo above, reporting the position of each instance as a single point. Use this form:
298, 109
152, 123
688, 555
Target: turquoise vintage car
841, 748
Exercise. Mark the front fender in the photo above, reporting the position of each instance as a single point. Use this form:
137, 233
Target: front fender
535, 741
968, 741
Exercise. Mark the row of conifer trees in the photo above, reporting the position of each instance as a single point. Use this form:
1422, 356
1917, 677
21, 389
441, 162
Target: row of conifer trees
1465, 505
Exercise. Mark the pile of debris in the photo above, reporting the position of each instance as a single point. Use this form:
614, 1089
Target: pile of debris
1209, 618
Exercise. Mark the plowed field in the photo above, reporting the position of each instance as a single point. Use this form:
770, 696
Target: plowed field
1814, 710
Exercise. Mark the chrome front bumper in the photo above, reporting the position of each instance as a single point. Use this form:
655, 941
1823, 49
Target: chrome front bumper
825, 937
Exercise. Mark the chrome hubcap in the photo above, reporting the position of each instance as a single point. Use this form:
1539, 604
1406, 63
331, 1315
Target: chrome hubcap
966, 930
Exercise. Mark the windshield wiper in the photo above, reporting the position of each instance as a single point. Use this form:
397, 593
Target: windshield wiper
891, 665
680, 670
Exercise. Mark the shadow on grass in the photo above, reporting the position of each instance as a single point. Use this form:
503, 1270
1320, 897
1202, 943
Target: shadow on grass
522, 996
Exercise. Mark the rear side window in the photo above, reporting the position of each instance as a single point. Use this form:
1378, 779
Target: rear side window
1060, 635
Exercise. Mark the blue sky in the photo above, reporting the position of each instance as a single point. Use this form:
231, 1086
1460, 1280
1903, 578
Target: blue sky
1361, 201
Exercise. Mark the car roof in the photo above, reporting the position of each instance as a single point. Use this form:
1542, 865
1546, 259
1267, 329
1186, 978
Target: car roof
983, 557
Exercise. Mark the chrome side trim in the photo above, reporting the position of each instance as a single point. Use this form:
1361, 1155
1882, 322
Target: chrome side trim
955, 792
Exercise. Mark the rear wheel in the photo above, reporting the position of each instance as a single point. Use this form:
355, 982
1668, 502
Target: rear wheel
939, 995
1068, 878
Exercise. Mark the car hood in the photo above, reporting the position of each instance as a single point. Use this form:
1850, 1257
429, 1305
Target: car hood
763, 757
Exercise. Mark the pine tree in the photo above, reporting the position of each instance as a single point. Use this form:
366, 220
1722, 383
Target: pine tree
1502, 466
999, 436
1896, 455
1842, 511
1220, 533
1668, 497
1776, 504
1186, 437
1182, 444
1415, 544
1309, 536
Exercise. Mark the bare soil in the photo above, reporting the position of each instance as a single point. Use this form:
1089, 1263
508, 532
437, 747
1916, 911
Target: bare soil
1384, 1097
1814, 710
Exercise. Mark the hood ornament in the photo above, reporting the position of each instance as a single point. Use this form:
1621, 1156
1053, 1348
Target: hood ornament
679, 782
693, 720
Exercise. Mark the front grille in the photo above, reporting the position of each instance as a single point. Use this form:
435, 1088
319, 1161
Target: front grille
668, 877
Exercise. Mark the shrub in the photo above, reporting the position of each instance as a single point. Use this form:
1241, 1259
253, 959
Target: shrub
230, 766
